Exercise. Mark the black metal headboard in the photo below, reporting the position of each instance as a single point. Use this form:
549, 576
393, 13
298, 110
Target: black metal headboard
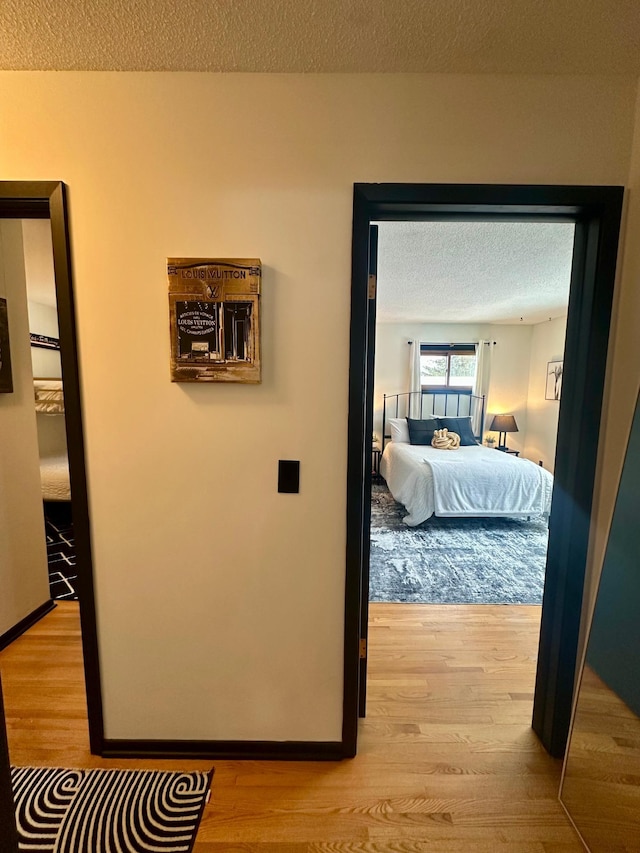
435, 402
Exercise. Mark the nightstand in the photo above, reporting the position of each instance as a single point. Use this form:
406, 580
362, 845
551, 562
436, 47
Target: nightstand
510, 452
376, 453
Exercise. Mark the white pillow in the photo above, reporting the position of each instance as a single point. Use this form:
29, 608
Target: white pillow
399, 429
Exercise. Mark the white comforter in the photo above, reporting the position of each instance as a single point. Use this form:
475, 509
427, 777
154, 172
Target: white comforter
49, 396
54, 475
470, 481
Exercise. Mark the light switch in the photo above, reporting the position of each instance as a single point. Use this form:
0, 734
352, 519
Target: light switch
288, 476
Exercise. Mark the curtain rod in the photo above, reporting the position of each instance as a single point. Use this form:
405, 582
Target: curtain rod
486, 343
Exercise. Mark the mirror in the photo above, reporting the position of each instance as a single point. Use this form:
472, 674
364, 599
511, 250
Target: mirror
601, 780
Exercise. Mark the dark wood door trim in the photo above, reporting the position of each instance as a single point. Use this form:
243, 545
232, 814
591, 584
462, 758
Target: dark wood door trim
596, 210
47, 200
368, 466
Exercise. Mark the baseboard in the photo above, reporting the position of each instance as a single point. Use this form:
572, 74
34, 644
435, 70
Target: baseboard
225, 749
24, 624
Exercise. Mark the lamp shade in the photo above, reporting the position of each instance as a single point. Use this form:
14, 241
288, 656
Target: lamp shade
503, 423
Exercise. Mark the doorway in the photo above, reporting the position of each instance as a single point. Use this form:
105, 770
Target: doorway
46, 200
469, 317
595, 212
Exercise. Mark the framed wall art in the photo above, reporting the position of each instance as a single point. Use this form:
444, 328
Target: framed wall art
214, 312
553, 386
6, 378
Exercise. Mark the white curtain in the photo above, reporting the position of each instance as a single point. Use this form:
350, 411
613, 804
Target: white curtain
481, 381
415, 382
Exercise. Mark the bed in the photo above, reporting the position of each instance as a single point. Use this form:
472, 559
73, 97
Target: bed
54, 476
472, 481
54, 462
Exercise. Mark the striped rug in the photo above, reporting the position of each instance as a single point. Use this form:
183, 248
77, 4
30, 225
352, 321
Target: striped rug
108, 811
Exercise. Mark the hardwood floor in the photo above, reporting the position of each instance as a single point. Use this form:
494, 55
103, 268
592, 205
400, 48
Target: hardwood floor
601, 788
447, 762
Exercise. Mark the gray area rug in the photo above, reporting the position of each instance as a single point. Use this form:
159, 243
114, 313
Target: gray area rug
454, 560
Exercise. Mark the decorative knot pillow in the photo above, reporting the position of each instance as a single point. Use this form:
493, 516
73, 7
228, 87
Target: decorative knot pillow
445, 440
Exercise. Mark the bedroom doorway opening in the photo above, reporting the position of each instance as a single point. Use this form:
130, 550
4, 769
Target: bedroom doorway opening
594, 213
41, 337
470, 330
470, 317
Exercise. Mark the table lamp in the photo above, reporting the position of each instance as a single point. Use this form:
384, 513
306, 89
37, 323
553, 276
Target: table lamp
503, 424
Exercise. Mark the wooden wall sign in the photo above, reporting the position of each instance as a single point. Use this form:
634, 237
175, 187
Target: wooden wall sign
6, 378
214, 311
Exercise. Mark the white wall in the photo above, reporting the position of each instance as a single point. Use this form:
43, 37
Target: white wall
392, 354
43, 320
509, 365
41, 294
232, 621
509, 378
547, 344
24, 579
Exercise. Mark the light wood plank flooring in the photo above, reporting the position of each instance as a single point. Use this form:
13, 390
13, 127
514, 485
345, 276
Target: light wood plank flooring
447, 760
602, 785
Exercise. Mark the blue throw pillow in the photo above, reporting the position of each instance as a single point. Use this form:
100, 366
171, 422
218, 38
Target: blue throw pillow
421, 431
462, 426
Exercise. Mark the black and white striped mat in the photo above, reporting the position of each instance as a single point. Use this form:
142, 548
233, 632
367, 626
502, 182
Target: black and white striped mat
108, 811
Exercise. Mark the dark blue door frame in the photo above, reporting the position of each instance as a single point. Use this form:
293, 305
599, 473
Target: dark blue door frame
596, 212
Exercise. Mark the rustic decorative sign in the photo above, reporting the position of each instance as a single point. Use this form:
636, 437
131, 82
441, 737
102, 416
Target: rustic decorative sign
6, 378
214, 310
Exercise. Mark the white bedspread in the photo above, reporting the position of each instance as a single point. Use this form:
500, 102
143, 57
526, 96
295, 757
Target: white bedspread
54, 474
470, 481
49, 396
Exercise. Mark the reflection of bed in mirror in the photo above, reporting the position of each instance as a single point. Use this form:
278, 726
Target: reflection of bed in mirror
54, 462
601, 781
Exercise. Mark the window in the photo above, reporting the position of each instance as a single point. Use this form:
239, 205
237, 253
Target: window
447, 366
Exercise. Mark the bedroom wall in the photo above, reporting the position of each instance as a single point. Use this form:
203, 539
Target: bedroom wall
24, 579
392, 354
43, 320
509, 378
231, 625
41, 294
547, 344
509, 365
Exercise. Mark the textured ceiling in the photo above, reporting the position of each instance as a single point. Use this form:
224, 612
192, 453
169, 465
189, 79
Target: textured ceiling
464, 36
473, 272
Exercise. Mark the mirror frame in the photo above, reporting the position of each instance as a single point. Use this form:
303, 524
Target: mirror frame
612, 551
48, 200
